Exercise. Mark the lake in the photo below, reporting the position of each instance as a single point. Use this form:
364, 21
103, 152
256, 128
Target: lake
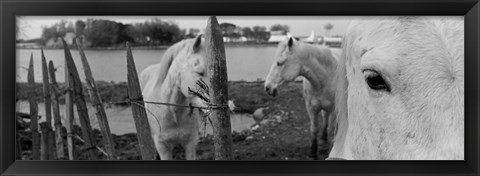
248, 63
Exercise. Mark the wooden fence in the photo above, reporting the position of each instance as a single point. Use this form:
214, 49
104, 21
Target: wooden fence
48, 143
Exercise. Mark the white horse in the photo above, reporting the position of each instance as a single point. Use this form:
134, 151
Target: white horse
316, 64
181, 66
400, 89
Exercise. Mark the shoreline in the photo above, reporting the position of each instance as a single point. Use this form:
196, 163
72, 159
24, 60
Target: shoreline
115, 93
145, 47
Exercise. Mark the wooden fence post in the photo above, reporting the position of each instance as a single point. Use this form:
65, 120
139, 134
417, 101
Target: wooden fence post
82, 110
48, 139
97, 102
145, 140
217, 68
33, 112
69, 115
56, 111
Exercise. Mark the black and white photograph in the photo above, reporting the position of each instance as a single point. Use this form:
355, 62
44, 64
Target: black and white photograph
291, 88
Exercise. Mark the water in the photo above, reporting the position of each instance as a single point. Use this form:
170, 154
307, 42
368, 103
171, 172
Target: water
120, 118
247, 63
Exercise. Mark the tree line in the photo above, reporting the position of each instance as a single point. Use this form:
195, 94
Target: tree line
154, 32
255, 33
103, 33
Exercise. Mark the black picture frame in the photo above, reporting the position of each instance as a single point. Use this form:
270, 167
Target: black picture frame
9, 9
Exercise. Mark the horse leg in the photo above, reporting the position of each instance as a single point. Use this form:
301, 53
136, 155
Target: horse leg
191, 150
326, 130
163, 149
313, 115
165, 152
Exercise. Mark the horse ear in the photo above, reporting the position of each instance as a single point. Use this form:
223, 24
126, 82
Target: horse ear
290, 42
198, 43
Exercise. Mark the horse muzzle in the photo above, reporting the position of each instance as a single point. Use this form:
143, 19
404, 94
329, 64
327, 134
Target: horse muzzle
271, 91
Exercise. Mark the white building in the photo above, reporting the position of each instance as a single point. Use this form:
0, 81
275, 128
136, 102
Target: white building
231, 39
277, 36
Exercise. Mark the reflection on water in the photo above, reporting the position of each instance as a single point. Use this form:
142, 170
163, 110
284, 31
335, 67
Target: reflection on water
121, 121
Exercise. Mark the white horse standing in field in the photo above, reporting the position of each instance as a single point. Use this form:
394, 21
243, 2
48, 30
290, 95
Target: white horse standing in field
316, 64
181, 66
400, 89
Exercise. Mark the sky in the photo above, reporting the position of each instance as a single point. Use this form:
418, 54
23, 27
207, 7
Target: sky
31, 26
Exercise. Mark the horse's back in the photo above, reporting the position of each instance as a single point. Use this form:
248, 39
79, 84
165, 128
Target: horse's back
159, 71
147, 74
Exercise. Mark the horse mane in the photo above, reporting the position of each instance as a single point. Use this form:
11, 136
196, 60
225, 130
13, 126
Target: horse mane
170, 54
318, 52
341, 88
340, 110
321, 52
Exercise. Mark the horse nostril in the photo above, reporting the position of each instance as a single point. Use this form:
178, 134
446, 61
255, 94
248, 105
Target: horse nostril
267, 89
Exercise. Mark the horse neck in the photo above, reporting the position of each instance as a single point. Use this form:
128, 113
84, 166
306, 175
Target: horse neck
170, 88
317, 67
167, 60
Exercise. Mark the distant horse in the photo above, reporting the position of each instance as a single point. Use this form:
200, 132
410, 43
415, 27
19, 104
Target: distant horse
316, 64
400, 89
181, 66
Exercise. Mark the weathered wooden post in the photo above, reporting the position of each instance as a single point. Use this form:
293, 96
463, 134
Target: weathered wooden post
33, 112
43, 141
145, 140
82, 110
217, 69
56, 111
48, 140
69, 115
97, 102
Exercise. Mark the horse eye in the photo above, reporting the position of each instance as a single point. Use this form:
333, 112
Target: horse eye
375, 81
201, 74
279, 64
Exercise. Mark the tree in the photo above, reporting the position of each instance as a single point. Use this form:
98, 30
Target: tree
260, 33
58, 30
327, 28
157, 31
248, 33
103, 33
192, 33
227, 29
80, 27
279, 27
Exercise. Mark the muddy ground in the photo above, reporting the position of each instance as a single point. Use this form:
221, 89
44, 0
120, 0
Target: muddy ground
281, 134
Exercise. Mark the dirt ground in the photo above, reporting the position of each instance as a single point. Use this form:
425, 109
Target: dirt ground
281, 134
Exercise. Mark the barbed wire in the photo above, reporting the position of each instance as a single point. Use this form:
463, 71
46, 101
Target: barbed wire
208, 107
201, 92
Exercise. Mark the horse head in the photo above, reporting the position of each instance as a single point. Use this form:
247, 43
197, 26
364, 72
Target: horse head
193, 69
286, 66
400, 91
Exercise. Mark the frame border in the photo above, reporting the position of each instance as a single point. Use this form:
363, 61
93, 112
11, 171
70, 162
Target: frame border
9, 9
